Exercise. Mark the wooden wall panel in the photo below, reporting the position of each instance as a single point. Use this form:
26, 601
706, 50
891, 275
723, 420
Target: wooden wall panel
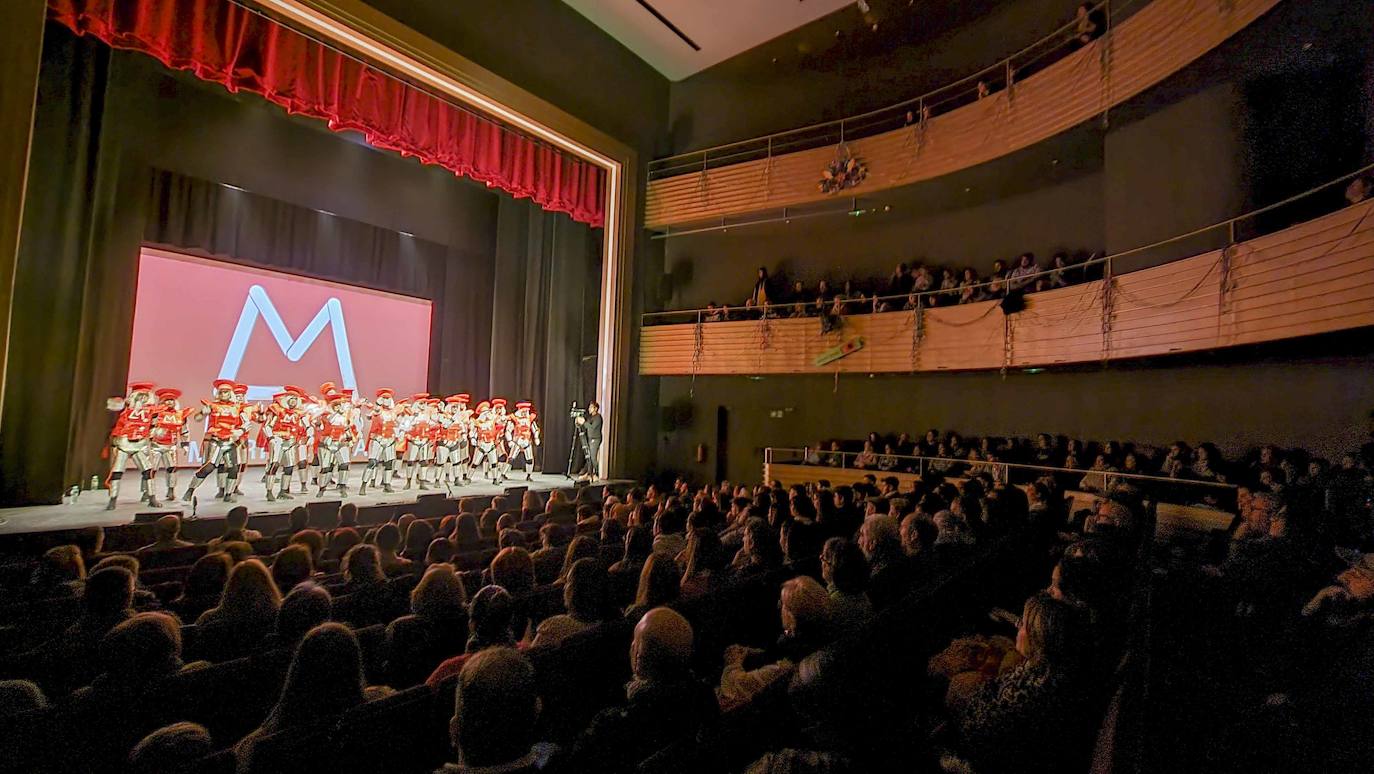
1152, 44
1314, 277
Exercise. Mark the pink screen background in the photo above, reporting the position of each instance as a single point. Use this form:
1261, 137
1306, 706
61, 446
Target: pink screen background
187, 309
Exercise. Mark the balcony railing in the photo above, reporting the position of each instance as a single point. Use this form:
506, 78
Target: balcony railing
1313, 277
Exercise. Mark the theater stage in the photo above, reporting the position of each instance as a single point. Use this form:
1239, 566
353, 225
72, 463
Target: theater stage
89, 509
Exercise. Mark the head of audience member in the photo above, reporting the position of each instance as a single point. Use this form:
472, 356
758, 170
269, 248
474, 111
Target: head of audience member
170, 748
208, 576
760, 544
639, 543
250, 594
20, 696
292, 565
661, 651
439, 597
581, 547
496, 706
324, 680
236, 550
466, 535
362, 566
307, 606
1052, 632
843, 566
1078, 578
60, 565
445, 528
918, 534
550, 535
298, 520
491, 614
585, 592
235, 523
513, 570
798, 542
140, 651
440, 551
403, 523
805, 611
342, 540
951, 529
704, 554
509, 537
659, 582
348, 515
530, 501
1359, 190
109, 595
489, 520
612, 532
881, 540
507, 521
312, 539
418, 536
388, 540
167, 530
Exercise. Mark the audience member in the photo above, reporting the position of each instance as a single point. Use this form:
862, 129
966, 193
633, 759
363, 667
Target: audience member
495, 711
584, 598
166, 534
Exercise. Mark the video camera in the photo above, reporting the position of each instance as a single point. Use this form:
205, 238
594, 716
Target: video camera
575, 412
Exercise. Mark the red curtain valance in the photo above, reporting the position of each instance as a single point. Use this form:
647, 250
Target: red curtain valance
241, 50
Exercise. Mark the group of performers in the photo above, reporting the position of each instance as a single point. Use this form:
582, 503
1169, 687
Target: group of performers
431, 442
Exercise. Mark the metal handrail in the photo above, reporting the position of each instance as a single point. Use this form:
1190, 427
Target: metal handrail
771, 451
775, 143
1229, 225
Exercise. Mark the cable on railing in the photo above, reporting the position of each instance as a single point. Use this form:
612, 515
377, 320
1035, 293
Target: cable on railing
1108, 281
698, 346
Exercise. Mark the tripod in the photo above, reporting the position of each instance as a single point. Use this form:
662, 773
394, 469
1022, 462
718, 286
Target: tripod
572, 449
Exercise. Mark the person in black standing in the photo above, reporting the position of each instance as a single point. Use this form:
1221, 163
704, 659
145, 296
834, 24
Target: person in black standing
589, 428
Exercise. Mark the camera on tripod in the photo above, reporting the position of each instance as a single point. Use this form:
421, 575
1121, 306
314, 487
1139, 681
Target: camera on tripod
575, 412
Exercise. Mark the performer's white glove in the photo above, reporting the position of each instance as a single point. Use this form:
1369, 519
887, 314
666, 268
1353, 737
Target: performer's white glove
115, 403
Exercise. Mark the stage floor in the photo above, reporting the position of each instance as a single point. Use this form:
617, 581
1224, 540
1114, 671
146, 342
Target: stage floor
89, 509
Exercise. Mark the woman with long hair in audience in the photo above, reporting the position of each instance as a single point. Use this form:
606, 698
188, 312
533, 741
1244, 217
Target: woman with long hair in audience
581, 547
436, 628
845, 572
659, 585
247, 612
466, 535
324, 681
366, 597
1006, 721
760, 551
203, 587
60, 573
705, 564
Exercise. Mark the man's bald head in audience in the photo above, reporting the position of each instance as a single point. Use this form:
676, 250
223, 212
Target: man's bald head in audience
662, 645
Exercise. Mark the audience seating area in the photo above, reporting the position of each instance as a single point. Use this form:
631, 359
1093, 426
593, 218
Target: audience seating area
896, 665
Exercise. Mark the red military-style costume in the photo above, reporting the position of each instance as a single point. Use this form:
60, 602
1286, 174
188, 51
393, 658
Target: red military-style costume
130, 440
383, 437
451, 452
522, 436
420, 428
334, 436
170, 431
281, 423
485, 435
224, 433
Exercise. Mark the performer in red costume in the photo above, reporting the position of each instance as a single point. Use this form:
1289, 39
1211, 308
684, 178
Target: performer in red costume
522, 437
170, 432
383, 434
249, 416
451, 449
281, 425
334, 436
485, 434
223, 435
502, 419
419, 435
129, 440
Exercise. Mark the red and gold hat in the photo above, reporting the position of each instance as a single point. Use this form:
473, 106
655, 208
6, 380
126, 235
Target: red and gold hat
168, 393
483, 406
386, 392
294, 390
463, 397
327, 388
524, 404
498, 402
223, 384
240, 389
140, 386
420, 396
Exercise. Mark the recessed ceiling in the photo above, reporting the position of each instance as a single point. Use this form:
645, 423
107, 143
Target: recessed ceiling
682, 37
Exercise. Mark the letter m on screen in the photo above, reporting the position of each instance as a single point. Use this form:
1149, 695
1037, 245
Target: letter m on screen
259, 304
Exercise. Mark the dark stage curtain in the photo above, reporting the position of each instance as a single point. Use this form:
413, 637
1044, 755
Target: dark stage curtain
545, 315
230, 45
